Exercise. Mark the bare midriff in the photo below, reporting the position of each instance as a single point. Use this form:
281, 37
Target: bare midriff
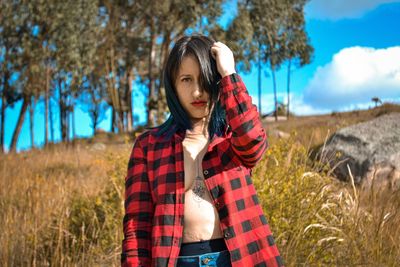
201, 220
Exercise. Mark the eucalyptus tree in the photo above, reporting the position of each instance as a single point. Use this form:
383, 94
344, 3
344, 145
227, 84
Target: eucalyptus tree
110, 81
240, 37
132, 54
34, 60
24, 65
43, 17
130, 49
75, 45
166, 21
94, 97
266, 18
56, 42
270, 31
257, 30
136, 38
120, 50
33, 74
11, 28
296, 42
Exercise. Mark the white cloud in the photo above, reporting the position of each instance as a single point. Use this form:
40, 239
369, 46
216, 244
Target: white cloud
297, 105
339, 9
353, 77
267, 101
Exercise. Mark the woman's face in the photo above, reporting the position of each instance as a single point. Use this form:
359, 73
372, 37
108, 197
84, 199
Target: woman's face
194, 99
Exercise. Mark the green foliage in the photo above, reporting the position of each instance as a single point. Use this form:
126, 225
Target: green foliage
275, 28
95, 222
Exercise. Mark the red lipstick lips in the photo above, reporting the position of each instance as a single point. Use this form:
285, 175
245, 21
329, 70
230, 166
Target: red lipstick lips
199, 103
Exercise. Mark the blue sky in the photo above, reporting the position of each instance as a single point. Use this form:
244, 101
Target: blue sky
351, 39
357, 57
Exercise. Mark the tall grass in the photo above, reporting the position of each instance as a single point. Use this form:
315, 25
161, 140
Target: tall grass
319, 221
61, 207
64, 207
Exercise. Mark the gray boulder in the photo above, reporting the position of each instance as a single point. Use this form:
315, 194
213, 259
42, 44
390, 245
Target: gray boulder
371, 150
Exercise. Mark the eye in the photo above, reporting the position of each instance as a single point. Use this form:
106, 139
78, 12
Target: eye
186, 79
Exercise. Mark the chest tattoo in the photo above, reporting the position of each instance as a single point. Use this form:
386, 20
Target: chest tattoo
198, 190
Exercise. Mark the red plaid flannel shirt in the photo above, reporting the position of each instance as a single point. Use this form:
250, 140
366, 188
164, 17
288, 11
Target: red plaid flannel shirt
154, 190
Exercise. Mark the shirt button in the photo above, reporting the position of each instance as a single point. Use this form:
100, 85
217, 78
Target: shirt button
226, 235
205, 172
205, 261
217, 204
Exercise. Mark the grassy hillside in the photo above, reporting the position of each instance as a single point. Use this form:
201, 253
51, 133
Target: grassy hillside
314, 130
64, 205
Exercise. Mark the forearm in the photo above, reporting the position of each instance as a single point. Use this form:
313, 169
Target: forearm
136, 246
137, 224
248, 136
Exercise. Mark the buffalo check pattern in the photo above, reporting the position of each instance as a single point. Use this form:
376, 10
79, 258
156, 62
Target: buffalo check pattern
154, 189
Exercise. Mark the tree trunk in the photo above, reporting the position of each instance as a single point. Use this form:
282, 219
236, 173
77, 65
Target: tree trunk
114, 94
151, 101
6, 77
95, 118
21, 117
275, 94
51, 118
129, 101
121, 110
3, 114
63, 112
112, 119
73, 122
32, 120
46, 108
121, 124
94, 112
71, 116
288, 89
67, 125
120, 93
162, 106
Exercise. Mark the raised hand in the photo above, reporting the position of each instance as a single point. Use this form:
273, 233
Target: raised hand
224, 57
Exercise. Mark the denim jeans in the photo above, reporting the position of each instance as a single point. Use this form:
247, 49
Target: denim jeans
212, 259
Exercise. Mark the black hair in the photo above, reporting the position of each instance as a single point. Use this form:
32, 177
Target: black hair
198, 46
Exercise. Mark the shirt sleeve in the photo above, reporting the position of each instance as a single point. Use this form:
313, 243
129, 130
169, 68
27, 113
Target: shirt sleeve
137, 223
249, 140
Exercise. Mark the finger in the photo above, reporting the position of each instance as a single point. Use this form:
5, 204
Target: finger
222, 45
214, 52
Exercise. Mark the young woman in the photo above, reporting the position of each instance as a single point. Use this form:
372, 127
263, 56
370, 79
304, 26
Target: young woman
190, 200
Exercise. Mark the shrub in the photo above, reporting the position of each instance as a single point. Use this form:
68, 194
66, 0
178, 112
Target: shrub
89, 230
317, 220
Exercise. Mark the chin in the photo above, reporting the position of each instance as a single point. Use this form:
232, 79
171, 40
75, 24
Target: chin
198, 118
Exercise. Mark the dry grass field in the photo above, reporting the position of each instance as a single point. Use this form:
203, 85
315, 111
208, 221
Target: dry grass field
63, 206
313, 130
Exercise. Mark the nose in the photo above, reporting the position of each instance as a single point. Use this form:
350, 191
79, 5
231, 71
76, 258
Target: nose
197, 91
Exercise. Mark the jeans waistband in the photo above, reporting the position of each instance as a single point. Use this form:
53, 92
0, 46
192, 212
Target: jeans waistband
202, 247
